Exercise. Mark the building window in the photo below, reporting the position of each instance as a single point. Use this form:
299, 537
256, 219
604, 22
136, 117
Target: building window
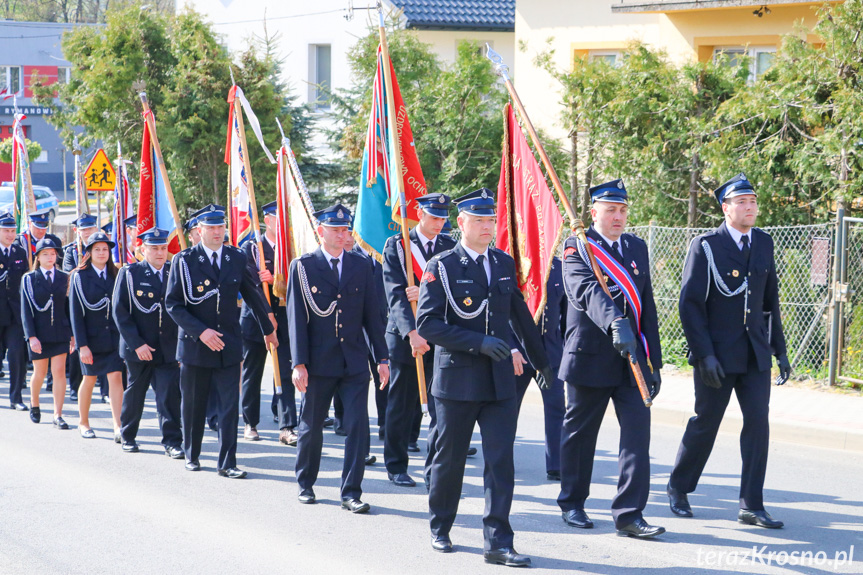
42, 158
320, 75
64, 74
610, 57
10, 78
760, 58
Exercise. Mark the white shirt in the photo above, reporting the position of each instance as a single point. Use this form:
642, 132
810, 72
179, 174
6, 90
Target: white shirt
485, 263
100, 272
340, 257
46, 271
424, 241
157, 273
611, 242
210, 253
270, 242
737, 236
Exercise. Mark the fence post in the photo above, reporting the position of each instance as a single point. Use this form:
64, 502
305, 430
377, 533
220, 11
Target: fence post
651, 236
836, 316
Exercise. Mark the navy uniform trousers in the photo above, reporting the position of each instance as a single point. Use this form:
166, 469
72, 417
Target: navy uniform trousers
12, 342
163, 377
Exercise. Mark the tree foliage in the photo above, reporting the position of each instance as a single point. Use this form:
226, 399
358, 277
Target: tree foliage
186, 71
674, 133
34, 149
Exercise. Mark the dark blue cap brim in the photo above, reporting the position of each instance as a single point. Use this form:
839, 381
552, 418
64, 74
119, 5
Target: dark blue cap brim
611, 200
436, 212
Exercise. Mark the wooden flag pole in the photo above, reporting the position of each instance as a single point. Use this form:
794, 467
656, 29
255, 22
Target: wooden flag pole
121, 237
391, 113
151, 124
577, 225
256, 228
76, 151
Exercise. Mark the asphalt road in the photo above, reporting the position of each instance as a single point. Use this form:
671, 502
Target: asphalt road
69, 505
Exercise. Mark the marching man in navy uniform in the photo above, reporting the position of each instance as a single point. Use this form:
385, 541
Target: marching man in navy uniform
332, 305
13, 266
468, 299
729, 308
602, 332
202, 293
254, 350
403, 341
148, 344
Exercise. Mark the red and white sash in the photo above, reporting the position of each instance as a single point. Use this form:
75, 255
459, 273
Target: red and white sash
613, 269
418, 259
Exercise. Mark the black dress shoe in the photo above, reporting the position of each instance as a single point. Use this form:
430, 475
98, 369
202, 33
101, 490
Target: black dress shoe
402, 479
193, 465
306, 496
553, 475
381, 433
577, 518
130, 447
49, 387
174, 452
329, 422
35, 414
59, 423
506, 556
232, 473
441, 543
73, 395
370, 459
340, 431
471, 451
413, 447
678, 502
355, 506
641, 529
19, 407
758, 517
104, 399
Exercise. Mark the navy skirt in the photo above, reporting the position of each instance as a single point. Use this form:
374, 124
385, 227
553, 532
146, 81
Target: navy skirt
49, 349
103, 364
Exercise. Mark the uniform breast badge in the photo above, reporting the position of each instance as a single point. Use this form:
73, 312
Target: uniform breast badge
467, 302
206, 282
314, 289
735, 273
200, 288
634, 268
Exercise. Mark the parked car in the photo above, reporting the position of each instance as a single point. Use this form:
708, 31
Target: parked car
46, 201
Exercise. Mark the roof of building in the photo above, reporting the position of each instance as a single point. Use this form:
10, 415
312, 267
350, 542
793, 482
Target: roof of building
494, 15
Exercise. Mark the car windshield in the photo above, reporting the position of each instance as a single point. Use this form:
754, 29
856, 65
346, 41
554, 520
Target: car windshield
7, 195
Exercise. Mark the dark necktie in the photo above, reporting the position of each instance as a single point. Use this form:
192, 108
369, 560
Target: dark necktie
215, 264
159, 281
745, 251
429, 248
480, 261
49, 275
615, 251
334, 262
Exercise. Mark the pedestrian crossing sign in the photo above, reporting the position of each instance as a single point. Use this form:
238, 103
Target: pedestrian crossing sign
100, 175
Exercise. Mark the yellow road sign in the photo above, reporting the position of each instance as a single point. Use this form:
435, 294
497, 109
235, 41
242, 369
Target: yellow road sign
100, 175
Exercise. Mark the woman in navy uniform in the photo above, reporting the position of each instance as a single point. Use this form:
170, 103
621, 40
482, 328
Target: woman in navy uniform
202, 293
148, 344
254, 350
729, 309
13, 266
468, 299
91, 287
332, 306
85, 226
602, 332
45, 316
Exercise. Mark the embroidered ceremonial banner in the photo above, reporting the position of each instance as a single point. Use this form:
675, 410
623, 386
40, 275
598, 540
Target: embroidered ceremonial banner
239, 208
154, 209
376, 216
122, 210
25, 202
528, 220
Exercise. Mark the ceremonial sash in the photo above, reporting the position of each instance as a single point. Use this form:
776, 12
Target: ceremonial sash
613, 269
418, 259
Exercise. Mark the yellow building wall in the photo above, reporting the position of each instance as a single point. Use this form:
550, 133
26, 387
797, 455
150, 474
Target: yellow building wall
445, 42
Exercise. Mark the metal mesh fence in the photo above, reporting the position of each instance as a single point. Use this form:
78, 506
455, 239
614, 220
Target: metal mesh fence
851, 322
802, 264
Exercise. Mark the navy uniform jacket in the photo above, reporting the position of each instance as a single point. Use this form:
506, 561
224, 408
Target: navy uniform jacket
21, 240
50, 325
588, 350
335, 345
461, 372
401, 316
12, 269
70, 257
93, 328
553, 318
138, 326
192, 278
248, 324
723, 326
